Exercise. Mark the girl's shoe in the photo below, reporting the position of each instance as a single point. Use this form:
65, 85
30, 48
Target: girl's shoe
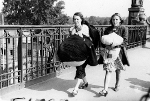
84, 85
64, 100
74, 92
116, 88
103, 93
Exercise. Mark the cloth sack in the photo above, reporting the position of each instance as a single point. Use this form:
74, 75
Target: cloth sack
72, 48
74, 63
74, 51
112, 39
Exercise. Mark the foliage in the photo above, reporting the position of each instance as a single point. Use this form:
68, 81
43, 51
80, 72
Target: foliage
125, 21
148, 18
99, 20
34, 12
92, 20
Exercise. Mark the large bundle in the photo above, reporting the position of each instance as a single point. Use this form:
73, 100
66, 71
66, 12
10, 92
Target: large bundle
73, 50
112, 39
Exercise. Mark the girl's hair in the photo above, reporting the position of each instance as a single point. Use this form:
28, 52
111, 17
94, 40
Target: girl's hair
80, 15
116, 14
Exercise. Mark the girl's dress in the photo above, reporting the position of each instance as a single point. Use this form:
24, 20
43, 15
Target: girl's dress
109, 63
111, 57
121, 31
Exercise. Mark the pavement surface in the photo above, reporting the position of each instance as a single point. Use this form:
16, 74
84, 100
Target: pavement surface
135, 83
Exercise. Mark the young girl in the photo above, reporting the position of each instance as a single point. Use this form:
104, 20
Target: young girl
116, 26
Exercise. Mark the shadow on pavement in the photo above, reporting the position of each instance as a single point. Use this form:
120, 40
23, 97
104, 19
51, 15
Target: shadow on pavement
146, 47
148, 39
55, 84
90, 87
61, 85
139, 84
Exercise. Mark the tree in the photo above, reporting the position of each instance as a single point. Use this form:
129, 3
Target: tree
148, 18
92, 20
106, 21
34, 12
125, 21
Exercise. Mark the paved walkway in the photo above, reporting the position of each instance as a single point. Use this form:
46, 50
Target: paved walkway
135, 82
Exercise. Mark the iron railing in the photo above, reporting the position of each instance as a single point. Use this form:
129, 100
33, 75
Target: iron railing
28, 53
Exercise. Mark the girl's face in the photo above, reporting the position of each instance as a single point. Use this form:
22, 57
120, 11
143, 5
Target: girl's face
116, 20
77, 20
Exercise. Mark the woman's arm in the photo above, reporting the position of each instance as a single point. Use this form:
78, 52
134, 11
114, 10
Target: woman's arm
85, 30
70, 31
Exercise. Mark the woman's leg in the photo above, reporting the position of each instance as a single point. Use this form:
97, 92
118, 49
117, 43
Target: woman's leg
85, 83
83, 68
80, 75
78, 83
76, 88
84, 80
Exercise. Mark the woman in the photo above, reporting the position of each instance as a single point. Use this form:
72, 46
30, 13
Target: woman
79, 49
116, 26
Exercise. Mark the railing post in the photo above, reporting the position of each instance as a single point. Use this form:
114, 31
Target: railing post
144, 36
55, 54
20, 73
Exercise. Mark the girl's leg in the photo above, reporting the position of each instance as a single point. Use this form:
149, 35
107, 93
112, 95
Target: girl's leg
104, 92
118, 75
107, 80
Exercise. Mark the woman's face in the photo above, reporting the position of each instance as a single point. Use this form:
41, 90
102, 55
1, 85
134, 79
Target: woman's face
77, 20
116, 20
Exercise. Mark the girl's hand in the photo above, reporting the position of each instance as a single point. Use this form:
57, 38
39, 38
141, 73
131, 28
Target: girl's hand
109, 47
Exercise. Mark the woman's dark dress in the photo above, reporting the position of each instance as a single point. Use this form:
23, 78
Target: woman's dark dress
76, 48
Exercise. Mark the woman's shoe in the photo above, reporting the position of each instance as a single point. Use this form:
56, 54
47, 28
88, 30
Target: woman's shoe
103, 93
18, 99
116, 88
84, 85
51, 100
74, 92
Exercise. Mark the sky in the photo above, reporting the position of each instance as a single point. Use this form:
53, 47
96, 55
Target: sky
101, 8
